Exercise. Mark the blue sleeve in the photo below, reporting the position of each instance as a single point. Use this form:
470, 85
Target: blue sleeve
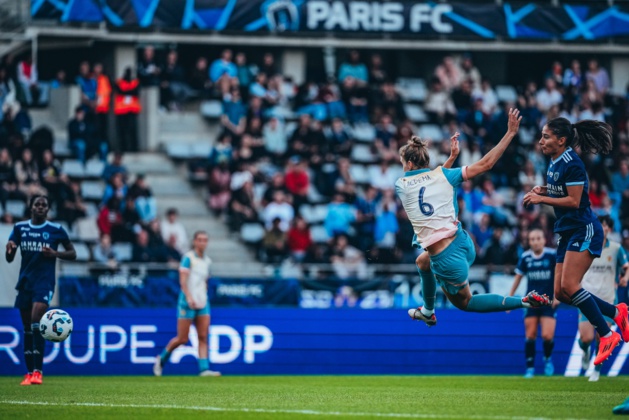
574, 175
63, 235
454, 176
15, 235
185, 262
521, 267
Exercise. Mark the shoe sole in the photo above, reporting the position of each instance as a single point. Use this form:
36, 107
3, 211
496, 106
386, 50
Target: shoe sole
411, 314
608, 355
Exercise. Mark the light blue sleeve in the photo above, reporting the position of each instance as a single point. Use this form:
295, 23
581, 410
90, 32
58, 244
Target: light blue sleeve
185, 262
621, 260
454, 176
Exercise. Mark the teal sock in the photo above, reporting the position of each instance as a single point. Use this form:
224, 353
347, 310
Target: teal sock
429, 289
164, 357
493, 303
204, 364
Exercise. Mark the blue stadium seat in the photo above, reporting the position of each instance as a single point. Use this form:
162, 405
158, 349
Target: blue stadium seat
73, 168
251, 233
412, 89
200, 150
178, 150
319, 234
16, 208
362, 153
359, 174
364, 132
506, 93
212, 109
82, 251
94, 168
123, 251
87, 230
92, 190
431, 132
415, 113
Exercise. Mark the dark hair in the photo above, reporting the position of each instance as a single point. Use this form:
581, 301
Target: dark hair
35, 197
590, 136
607, 219
199, 232
416, 152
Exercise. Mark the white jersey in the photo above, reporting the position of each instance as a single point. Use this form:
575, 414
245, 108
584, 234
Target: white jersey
602, 276
429, 198
198, 268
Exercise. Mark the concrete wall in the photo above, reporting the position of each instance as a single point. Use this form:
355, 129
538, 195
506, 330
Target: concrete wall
620, 74
148, 121
294, 65
63, 101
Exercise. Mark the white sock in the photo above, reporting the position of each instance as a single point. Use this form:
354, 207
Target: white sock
427, 312
609, 334
616, 314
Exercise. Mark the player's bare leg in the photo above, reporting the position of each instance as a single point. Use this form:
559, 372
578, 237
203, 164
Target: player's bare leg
425, 313
203, 324
183, 329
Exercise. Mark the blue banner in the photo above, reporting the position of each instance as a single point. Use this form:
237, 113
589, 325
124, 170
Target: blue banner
299, 341
407, 18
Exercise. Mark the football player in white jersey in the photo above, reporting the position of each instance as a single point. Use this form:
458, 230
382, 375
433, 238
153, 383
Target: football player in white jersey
429, 199
602, 278
193, 305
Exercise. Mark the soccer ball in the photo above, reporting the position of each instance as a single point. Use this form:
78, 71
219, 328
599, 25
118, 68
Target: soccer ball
56, 325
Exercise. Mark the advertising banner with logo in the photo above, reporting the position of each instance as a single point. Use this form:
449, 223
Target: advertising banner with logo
299, 341
352, 17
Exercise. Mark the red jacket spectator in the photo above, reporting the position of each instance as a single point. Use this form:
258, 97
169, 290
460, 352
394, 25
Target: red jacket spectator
109, 217
299, 239
297, 180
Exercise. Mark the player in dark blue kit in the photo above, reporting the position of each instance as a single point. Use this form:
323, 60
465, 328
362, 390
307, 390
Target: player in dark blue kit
580, 232
38, 240
538, 265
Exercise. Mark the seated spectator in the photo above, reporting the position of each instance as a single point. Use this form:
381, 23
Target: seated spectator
599, 76
495, 253
104, 253
275, 139
596, 193
259, 89
148, 69
620, 179
347, 261
377, 74
131, 222
386, 229
234, 114
22, 123
245, 72
438, 105
222, 150
27, 175
142, 252
277, 184
80, 133
462, 99
593, 111
49, 174
590, 93
477, 123
172, 255
172, 227
219, 186
115, 167
279, 208
9, 105
383, 176
388, 101
274, 242
385, 144
115, 188
268, 66
299, 240
199, 79
174, 89
8, 182
35, 92
242, 206
366, 217
493, 201
145, 203
355, 100
86, 81
528, 176
354, 68
339, 139
556, 73
109, 220
344, 183
573, 78
222, 71
482, 231
549, 96
469, 71
297, 181
154, 230
490, 99
340, 216
60, 80
70, 206
448, 74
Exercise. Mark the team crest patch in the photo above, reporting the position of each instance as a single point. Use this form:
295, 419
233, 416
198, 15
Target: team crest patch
182, 312
556, 176
46, 235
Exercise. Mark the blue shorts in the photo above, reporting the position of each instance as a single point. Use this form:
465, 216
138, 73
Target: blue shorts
588, 237
452, 265
39, 293
186, 312
548, 311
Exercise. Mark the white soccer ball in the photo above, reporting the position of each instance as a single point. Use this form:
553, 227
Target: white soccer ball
56, 325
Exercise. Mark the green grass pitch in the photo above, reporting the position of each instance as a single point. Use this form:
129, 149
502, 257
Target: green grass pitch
313, 397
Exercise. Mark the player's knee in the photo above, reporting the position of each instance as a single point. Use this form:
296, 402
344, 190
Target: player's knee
531, 337
423, 263
202, 338
547, 337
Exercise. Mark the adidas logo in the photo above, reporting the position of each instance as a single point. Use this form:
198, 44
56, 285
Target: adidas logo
575, 244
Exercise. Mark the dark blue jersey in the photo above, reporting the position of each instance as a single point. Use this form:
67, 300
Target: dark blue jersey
539, 270
35, 268
565, 171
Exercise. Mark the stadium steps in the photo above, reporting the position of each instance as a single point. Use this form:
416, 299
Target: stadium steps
186, 127
171, 189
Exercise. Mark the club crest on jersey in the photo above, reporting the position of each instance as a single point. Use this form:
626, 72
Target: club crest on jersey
556, 176
46, 235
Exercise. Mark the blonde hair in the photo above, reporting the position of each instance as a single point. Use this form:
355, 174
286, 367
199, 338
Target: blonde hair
416, 152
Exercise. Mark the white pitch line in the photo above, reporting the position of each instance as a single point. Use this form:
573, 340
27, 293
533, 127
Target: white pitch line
275, 411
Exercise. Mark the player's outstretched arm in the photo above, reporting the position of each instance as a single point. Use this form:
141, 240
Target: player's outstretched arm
489, 160
69, 254
516, 283
571, 201
454, 150
11, 250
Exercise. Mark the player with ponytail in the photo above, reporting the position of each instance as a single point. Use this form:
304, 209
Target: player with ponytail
580, 233
429, 198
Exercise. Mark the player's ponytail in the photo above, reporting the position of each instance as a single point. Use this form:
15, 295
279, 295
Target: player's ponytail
416, 152
590, 136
